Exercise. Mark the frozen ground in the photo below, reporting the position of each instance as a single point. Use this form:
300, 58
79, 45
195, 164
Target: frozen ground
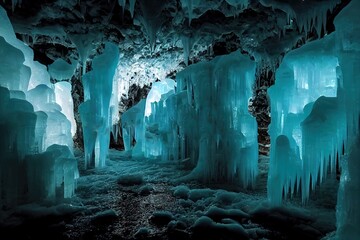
142, 199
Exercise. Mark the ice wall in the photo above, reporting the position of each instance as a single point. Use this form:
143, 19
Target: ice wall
304, 76
95, 111
348, 48
30, 124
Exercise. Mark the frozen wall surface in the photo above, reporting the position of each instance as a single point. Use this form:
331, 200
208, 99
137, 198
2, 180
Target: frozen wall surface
218, 92
304, 76
95, 111
348, 47
30, 124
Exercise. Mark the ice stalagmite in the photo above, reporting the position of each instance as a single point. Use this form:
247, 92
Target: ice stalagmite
95, 111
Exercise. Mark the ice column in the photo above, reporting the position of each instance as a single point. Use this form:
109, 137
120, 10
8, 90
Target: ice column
304, 75
95, 111
219, 92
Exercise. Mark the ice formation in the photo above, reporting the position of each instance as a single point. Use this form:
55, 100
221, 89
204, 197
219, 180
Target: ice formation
207, 120
159, 126
95, 111
218, 93
84, 44
306, 17
304, 76
61, 70
152, 18
347, 211
64, 99
187, 42
122, 3
32, 72
157, 90
238, 5
189, 5
32, 167
348, 47
132, 122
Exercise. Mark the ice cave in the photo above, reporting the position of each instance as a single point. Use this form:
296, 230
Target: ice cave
180, 119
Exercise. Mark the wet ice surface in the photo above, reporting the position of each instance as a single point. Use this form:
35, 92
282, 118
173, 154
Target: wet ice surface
142, 199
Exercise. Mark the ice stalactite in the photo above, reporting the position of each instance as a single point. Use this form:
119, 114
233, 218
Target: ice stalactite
122, 3
32, 128
14, 4
189, 5
347, 31
152, 18
297, 110
95, 111
306, 18
188, 43
132, 7
239, 5
61, 70
84, 44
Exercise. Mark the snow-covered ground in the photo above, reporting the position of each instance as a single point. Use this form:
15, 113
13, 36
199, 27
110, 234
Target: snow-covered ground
134, 198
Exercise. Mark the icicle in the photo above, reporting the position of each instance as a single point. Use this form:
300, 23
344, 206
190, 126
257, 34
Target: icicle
122, 4
132, 7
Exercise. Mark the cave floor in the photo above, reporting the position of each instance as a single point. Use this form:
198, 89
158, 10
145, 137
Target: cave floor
134, 198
